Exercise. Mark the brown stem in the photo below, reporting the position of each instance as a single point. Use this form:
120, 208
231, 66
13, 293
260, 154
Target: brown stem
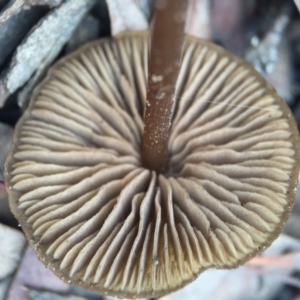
164, 64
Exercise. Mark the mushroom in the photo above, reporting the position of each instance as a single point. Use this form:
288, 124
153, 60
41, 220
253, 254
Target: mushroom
98, 218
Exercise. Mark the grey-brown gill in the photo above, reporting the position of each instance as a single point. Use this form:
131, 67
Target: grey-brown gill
99, 219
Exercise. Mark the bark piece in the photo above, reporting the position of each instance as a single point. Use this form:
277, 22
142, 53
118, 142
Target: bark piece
49, 3
87, 30
126, 15
28, 285
39, 278
4, 285
37, 295
113, 298
6, 133
25, 92
264, 55
228, 23
146, 7
297, 2
255, 280
6, 216
100, 11
292, 225
44, 41
15, 21
198, 19
11, 248
3, 3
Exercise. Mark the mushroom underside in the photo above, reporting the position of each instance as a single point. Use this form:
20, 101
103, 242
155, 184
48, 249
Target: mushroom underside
99, 219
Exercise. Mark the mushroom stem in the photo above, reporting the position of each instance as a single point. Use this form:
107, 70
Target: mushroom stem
164, 64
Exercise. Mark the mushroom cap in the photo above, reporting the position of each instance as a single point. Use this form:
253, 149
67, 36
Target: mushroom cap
97, 218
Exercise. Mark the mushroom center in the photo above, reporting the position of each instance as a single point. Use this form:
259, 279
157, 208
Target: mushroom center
100, 219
